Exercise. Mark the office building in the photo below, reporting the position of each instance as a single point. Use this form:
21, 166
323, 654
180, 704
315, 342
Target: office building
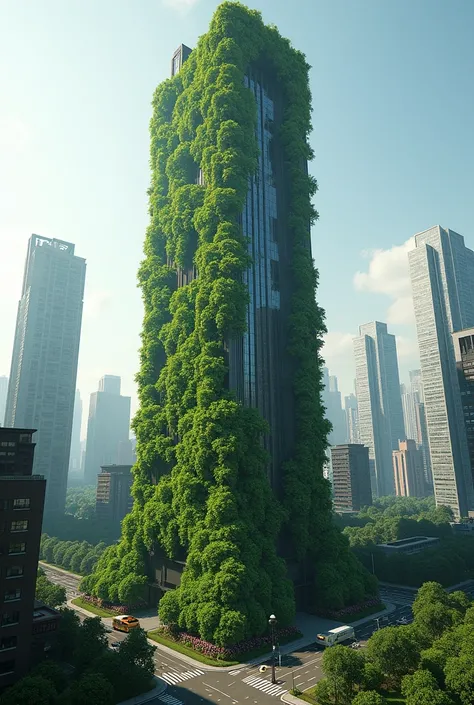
410, 546
409, 412
75, 456
379, 402
464, 355
424, 444
334, 411
179, 57
352, 418
21, 514
3, 397
114, 499
416, 386
350, 477
42, 383
442, 272
408, 470
107, 428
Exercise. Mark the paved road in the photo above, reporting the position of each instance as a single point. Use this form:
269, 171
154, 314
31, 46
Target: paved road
189, 685
67, 580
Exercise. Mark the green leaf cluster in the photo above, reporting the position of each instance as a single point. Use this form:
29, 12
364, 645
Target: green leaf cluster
200, 483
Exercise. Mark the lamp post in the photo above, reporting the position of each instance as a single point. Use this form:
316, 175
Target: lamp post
272, 622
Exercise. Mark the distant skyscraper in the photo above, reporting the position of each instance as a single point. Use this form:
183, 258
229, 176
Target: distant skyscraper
3, 397
75, 456
334, 411
352, 418
44, 362
107, 428
442, 275
464, 354
409, 413
416, 386
408, 470
350, 477
113, 498
379, 403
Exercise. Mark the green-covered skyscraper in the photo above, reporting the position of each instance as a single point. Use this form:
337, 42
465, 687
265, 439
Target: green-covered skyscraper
230, 499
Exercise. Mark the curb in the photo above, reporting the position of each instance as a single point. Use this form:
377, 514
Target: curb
288, 698
159, 689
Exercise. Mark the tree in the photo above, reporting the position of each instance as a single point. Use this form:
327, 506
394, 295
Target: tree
459, 676
68, 633
51, 671
421, 688
369, 697
91, 642
395, 651
31, 690
344, 670
52, 595
93, 688
136, 649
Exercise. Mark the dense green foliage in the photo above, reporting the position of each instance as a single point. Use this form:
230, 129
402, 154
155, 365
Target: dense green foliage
77, 556
52, 595
100, 677
430, 661
201, 487
392, 518
80, 501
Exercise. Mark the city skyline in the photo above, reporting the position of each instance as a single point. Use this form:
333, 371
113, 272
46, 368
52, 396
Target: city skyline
36, 122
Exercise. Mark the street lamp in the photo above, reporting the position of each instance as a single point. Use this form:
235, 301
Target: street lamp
272, 622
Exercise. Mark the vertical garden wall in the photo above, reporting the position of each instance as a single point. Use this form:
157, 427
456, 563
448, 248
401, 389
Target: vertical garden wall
201, 487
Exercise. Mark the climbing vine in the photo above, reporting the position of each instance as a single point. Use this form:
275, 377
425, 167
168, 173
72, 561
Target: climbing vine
201, 487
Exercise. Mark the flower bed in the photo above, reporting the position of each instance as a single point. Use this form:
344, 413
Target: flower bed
115, 609
340, 615
230, 653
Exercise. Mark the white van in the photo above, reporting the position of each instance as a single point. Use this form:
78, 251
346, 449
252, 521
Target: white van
335, 636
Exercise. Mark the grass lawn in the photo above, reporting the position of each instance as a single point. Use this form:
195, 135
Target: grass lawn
99, 611
393, 698
155, 635
308, 697
365, 613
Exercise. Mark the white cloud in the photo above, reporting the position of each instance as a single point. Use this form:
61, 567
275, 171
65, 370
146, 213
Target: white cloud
407, 349
180, 5
388, 274
337, 345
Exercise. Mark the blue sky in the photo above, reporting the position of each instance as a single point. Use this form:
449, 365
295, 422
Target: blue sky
392, 85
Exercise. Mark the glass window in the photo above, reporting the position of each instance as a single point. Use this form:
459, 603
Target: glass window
15, 571
9, 618
8, 642
21, 525
21, 503
7, 667
17, 548
11, 595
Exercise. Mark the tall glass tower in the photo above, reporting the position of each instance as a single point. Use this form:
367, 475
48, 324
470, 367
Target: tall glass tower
42, 384
442, 276
379, 401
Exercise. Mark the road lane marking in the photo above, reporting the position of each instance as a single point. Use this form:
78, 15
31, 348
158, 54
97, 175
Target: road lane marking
170, 699
217, 690
264, 685
174, 677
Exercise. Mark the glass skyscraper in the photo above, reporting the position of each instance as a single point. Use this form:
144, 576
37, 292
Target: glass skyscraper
379, 402
42, 384
442, 276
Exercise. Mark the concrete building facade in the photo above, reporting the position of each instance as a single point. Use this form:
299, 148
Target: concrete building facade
22, 497
381, 424
75, 454
42, 383
334, 411
442, 272
408, 470
108, 426
350, 477
3, 397
114, 499
352, 418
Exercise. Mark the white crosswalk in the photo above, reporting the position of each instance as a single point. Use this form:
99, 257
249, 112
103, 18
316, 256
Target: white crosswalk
235, 673
173, 677
170, 699
264, 685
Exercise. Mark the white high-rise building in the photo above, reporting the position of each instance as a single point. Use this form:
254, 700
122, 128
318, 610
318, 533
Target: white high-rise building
75, 455
43, 374
442, 276
3, 397
379, 403
352, 418
409, 413
334, 411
